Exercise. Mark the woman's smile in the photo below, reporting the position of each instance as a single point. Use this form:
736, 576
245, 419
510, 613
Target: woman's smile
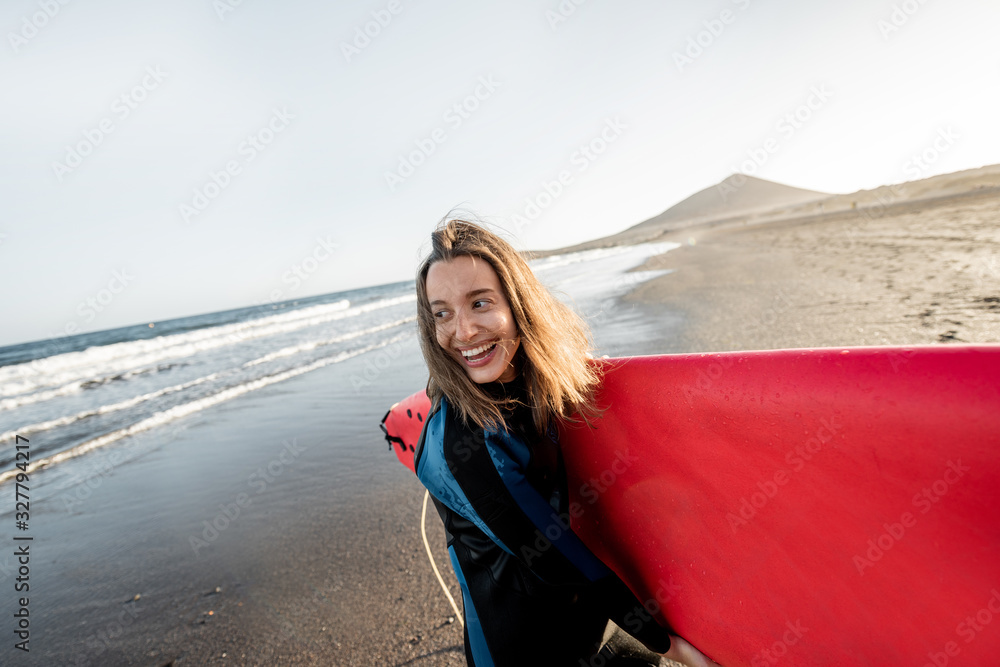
478, 356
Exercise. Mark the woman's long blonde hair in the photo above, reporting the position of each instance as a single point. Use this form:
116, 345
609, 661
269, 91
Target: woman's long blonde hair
555, 341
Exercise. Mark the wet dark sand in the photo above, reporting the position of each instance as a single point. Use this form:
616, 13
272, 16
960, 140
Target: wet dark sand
324, 565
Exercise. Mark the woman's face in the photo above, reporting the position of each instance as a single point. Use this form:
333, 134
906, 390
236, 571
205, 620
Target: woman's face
472, 318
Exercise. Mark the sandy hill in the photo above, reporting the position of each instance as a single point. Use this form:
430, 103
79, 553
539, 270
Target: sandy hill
741, 199
959, 183
736, 196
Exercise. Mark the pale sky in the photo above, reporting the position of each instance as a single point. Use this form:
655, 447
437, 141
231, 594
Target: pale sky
120, 120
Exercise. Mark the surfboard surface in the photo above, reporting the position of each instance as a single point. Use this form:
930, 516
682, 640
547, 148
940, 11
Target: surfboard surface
799, 507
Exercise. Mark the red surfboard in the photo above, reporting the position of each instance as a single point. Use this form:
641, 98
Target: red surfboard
799, 507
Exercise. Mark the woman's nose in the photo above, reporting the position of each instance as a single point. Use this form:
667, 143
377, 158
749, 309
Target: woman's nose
465, 326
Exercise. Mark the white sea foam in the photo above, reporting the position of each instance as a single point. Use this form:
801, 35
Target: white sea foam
553, 261
645, 250
312, 345
37, 397
131, 402
65, 372
106, 409
192, 407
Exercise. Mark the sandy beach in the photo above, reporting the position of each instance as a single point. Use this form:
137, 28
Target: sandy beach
321, 561
911, 274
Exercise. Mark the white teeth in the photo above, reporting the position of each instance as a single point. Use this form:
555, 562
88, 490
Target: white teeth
478, 350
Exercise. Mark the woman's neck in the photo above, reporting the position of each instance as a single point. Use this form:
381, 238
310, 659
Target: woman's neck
507, 389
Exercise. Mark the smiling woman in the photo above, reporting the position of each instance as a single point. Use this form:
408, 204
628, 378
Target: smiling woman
507, 361
473, 318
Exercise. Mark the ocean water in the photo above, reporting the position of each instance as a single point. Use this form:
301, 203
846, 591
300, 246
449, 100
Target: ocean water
81, 394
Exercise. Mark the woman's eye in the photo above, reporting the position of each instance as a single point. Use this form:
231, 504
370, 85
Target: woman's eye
483, 301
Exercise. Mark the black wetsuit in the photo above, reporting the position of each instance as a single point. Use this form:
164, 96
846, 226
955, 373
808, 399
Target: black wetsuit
533, 593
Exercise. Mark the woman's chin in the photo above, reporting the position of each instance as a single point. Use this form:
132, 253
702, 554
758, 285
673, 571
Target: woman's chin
484, 375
